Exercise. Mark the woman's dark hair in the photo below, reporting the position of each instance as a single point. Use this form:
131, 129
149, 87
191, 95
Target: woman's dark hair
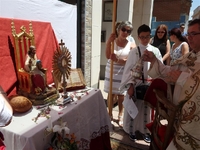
164, 27
178, 34
121, 24
143, 28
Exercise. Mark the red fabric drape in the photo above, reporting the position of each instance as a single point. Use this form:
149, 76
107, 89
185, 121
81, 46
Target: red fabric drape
45, 41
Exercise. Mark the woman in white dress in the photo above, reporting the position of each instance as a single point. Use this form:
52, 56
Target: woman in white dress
122, 48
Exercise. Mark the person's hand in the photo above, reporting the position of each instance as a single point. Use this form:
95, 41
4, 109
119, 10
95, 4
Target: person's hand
111, 38
148, 56
113, 57
130, 91
173, 76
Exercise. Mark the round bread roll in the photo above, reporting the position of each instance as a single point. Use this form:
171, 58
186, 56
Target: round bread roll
20, 104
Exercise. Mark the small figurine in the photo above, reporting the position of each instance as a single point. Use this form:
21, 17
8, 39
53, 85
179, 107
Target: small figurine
31, 59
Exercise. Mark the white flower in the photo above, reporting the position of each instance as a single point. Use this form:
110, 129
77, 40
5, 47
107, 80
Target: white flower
61, 128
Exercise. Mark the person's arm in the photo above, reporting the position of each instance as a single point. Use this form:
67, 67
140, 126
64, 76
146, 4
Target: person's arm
166, 56
151, 41
28, 63
108, 45
169, 58
118, 60
155, 70
133, 45
184, 48
6, 110
126, 77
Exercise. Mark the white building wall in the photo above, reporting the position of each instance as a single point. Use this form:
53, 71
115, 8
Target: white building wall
96, 41
125, 10
142, 15
196, 14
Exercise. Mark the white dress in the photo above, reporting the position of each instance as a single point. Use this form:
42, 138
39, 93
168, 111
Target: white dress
144, 115
176, 53
122, 53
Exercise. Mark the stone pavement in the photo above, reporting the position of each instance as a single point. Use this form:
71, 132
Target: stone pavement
118, 132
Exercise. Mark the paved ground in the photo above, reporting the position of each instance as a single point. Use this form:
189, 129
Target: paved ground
118, 133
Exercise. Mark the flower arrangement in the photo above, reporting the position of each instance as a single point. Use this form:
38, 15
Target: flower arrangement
61, 139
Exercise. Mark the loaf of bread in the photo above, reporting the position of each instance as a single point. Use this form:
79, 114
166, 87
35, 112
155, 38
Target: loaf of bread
20, 104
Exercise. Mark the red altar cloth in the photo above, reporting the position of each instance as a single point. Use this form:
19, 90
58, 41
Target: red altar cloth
45, 41
101, 143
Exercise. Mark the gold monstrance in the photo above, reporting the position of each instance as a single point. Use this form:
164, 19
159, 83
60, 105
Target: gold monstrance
61, 69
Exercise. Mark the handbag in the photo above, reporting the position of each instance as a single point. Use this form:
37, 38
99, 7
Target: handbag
141, 89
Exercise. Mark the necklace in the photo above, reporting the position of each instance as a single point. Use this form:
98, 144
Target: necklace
121, 42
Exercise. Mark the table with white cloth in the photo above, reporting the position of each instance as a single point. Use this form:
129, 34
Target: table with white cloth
87, 118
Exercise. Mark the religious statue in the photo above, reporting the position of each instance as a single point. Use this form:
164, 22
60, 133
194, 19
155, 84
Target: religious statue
34, 67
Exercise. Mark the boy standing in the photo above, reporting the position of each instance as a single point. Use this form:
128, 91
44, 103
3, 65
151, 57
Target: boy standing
144, 115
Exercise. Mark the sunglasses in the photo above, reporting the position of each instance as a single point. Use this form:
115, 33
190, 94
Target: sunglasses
161, 32
125, 30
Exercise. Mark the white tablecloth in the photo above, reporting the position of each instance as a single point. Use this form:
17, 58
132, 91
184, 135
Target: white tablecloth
86, 118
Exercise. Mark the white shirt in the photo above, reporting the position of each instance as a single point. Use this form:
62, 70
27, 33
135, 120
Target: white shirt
5, 113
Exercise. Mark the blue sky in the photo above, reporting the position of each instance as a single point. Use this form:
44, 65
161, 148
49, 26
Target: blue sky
195, 4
